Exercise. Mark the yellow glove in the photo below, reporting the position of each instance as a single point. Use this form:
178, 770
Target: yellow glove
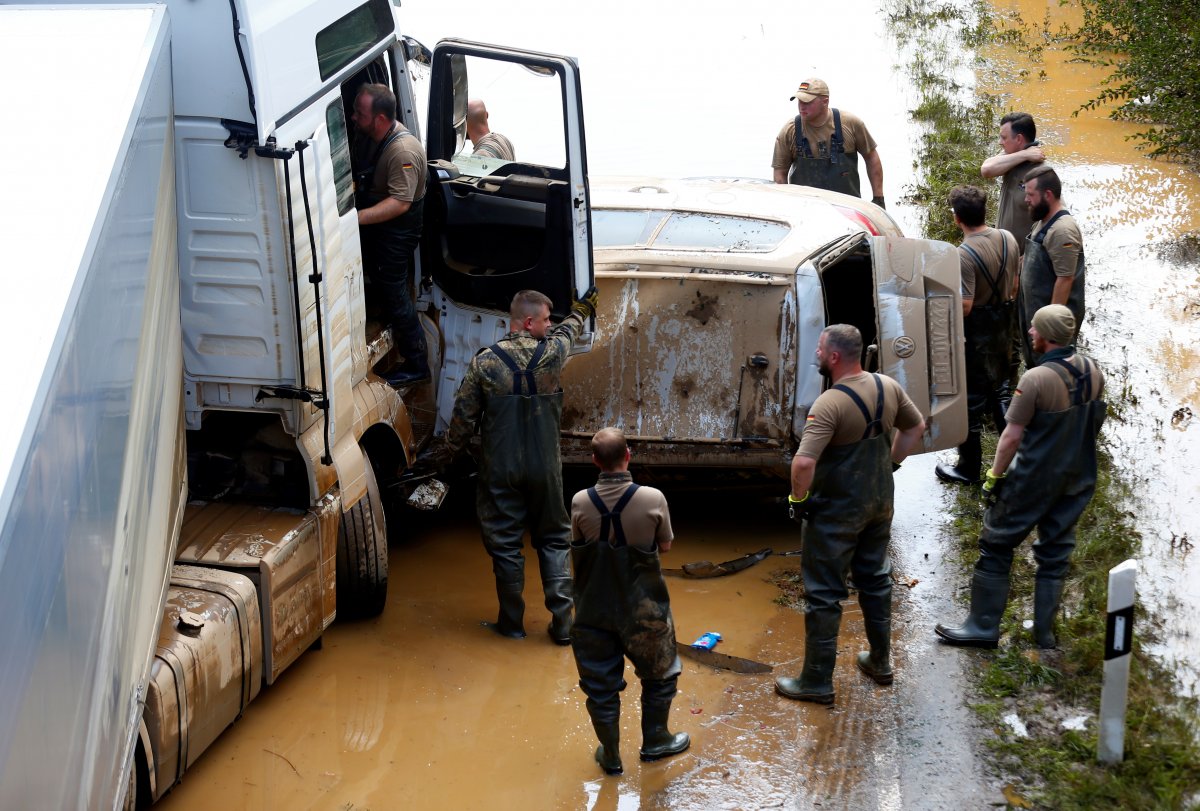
585, 305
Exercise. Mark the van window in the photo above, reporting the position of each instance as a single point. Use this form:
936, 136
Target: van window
714, 232
339, 151
352, 35
613, 228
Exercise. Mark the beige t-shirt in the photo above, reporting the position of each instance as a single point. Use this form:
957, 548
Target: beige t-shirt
855, 138
836, 420
988, 243
495, 145
1064, 243
400, 172
1042, 389
645, 520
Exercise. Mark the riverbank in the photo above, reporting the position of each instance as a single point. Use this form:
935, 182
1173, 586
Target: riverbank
1042, 705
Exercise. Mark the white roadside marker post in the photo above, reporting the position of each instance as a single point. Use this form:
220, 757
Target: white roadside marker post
1118, 643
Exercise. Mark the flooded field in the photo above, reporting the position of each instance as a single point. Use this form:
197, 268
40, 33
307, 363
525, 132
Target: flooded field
424, 708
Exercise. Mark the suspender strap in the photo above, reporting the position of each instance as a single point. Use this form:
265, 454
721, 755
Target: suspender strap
978, 260
836, 144
521, 376
1078, 383
611, 518
1041, 235
874, 426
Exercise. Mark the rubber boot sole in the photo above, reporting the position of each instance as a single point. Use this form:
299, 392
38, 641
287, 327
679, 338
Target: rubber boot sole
609, 770
965, 641
650, 757
495, 628
800, 695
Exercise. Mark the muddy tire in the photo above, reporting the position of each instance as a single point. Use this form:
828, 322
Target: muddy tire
362, 556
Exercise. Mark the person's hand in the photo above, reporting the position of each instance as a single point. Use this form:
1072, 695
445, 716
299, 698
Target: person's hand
878, 201
798, 508
585, 305
991, 486
1034, 154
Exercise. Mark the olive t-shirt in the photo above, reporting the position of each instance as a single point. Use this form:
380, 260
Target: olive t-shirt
988, 243
495, 145
855, 138
1012, 214
1064, 243
1042, 389
645, 520
400, 172
836, 420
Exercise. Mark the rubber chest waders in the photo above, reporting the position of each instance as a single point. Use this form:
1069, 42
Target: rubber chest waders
1051, 478
837, 171
849, 529
1037, 287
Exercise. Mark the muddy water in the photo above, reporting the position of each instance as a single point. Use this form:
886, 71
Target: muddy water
423, 708
1143, 321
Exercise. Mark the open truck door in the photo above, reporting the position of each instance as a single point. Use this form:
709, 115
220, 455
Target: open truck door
911, 323
494, 227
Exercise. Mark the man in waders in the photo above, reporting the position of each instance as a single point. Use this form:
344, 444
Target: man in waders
989, 259
1043, 476
622, 608
512, 393
1020, 151
820, 147
842, 490
391, 197
1053, 268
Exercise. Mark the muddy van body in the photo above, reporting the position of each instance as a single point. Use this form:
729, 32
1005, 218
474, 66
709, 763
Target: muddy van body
713, 294
203, 466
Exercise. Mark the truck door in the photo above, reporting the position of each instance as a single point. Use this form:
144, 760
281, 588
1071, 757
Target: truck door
498, 225
904, 296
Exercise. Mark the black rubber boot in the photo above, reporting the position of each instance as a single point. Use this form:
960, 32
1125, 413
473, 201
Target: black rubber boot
510, 621
658, 741
989, 595
820, 656
608, 754
966, 469
1046, 596
877, 619
557, 587
1001, 400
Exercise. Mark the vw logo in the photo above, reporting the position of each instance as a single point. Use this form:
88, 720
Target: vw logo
904, 346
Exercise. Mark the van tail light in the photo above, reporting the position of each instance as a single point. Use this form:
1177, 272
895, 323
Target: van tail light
860, 218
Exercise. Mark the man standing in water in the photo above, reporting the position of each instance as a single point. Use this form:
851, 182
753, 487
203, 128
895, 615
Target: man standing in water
842, 490
512, 393
1052, 271
989, 259
820, 146
1043, 476
622, 608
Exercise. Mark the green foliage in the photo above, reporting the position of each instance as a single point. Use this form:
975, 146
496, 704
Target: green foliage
1153, 50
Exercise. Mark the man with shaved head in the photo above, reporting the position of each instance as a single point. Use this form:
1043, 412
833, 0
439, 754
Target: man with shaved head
622, 608
487, 143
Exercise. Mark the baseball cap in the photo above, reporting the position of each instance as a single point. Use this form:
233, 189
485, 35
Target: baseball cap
809, 89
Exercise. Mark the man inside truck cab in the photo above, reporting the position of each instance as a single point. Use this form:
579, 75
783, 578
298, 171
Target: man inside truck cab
390, 192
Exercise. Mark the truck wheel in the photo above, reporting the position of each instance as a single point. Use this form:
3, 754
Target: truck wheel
362, 556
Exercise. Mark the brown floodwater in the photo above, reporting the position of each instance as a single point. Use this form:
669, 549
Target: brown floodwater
424, 708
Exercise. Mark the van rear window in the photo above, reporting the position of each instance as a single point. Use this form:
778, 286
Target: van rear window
352, 35
615, 228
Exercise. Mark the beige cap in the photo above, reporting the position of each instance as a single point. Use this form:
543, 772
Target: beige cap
1055, 323
809, 89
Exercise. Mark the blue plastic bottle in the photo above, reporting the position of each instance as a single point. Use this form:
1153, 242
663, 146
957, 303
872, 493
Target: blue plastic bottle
707, 641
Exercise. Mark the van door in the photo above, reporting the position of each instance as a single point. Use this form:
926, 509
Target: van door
904, 296
498, 225
919, 311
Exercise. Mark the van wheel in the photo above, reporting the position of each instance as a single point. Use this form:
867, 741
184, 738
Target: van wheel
362, 555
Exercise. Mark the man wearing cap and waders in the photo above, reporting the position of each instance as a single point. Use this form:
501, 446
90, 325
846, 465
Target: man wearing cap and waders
512, 392
820, 146
1043, 476
842, 491
1052, 270
622, 608
990, 259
